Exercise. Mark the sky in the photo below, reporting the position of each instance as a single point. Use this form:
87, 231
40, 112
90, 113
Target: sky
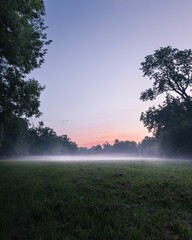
92, 69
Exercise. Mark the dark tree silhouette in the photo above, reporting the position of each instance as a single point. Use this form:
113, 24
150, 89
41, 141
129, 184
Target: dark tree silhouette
171, 72
22, 49
16, 137
44, 140
148, 146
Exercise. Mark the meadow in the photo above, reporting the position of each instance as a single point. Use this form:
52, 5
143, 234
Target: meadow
96, 200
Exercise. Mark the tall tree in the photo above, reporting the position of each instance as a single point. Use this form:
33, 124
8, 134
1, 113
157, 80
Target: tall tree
22, 49
171, 72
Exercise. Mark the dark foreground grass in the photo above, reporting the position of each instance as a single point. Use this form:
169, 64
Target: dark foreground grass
125, 200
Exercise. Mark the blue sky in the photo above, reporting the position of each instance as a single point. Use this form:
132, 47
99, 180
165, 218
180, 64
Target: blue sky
91, 71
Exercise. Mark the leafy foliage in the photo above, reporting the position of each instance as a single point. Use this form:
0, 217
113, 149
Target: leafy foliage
22, 35
148, 146
14, 135
170, 113
18, 96
46, 141
171, 70
21, 51
119, 147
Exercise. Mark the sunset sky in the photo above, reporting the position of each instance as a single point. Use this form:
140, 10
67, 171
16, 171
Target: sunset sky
91, 72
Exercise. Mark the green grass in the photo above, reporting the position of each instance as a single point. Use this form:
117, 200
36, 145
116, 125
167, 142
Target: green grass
126, 200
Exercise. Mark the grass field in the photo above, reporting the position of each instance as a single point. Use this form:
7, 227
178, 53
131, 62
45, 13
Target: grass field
98, 200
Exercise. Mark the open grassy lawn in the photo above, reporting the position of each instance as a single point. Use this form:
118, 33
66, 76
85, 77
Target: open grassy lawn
117, 200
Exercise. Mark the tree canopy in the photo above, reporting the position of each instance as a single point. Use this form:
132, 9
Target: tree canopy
22, 49
171, 72
22, 34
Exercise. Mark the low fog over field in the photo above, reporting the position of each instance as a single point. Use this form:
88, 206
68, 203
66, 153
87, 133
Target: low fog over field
94, 158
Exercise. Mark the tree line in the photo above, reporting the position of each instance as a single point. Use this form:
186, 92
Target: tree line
23, 45
22, 138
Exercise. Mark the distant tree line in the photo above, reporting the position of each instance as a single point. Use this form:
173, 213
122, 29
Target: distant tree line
21, 138
119, 147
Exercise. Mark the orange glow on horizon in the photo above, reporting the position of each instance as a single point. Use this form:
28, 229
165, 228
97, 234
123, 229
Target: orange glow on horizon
110, 138
98, 134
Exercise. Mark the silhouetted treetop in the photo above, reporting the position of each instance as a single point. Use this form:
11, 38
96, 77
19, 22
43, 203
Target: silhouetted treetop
171, 71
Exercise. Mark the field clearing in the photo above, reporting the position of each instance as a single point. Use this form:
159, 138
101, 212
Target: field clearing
96, 200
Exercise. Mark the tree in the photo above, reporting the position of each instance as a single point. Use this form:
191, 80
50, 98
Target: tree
96, 149
15, 137
125, 147
67, 144
22, 34
170, 113
44, 140
22, 49
107, 148
171, 72
148, 146
19, 97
